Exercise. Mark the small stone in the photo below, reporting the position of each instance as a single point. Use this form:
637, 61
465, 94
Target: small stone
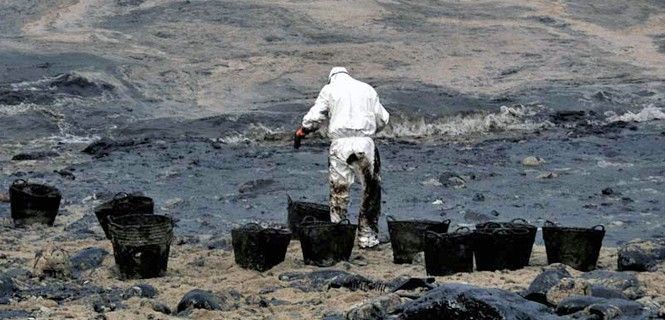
88, 258
641, 255
377, 308
550, 277
52, 262
548, 175
141, 290
172, 203
431, 183
608, 191
102, 306
199, 299
450, 179
532, 161
478, 197
4, 197
162, 308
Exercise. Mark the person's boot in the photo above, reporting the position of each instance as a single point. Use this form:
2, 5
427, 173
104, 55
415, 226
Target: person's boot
367, 238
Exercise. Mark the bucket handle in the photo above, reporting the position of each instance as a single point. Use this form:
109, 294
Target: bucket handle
344, 220
465, 229
307, 219
390, 218
519, 221
446, 221
550, 223
120, 195
502, 231
252, 226
19, 181
491, 225
432, 234
602, 227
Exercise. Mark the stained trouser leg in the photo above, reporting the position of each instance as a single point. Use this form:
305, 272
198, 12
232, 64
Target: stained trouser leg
341, 178
370, 208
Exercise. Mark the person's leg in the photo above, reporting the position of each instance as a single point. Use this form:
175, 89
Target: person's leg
370, 208
341, 178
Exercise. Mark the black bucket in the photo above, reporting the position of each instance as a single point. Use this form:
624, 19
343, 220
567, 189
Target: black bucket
325, 243
141, 244
575, 247
33, 203
521, 244
257, 248
299, 210
406, 236
496, 248
123, 204
449, 253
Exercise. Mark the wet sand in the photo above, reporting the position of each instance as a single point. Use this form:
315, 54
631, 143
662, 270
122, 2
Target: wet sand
192, 266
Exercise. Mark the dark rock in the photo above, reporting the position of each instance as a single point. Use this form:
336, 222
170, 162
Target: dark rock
88, 258
458, 301
141, 290
605, 308
476, 217
625, 282
162, 308
478, 197
408, 283
450, 179
605, 292
608, 191
38, 155
199, 299
223, 244
322, 280
104, 305
257, 300
14, 314
567, 116
641, 255
375, 309
7, 286
255, 185
538, 288
19, 274
66, 174
106, 146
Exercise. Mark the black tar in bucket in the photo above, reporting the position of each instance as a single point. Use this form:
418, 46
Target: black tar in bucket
326, 243
406, 236
509, 248
576, 247
259, 248
449, 253
141, 244
123, 204
299, 210
33, 203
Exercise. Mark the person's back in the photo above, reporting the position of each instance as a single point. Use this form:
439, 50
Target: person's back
355, 115
352, 106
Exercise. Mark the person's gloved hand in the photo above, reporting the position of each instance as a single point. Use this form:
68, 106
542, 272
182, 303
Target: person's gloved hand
300, 134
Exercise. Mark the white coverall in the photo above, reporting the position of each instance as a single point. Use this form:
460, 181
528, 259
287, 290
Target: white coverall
355, 114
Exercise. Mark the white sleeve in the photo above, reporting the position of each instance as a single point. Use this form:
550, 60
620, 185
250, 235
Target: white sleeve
381, 115
318, 113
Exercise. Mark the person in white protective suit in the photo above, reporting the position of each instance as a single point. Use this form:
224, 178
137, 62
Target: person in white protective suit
355, 115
